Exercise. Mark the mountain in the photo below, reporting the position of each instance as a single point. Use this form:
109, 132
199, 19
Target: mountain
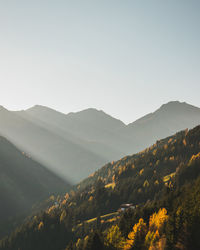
95, 127
23, 183
162, 183
167, 120
91, 128
74, 145
59, 154
87, 119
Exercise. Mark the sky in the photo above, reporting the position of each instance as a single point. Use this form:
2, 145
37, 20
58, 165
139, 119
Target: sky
126, 57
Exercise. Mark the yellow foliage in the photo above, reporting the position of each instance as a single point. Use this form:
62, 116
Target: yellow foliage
154, 152
41, 225
141, 237
165, 146
78, 243
91, 198
66, 196
111, 220
159, 245
91, 175
138, 234
115, 238
194, 158
141, 171
170, 140
110, 185
157, 220
63, 215
146, 184
168, 177
51, 209
121, 169
151, 238
156, 223
64, 202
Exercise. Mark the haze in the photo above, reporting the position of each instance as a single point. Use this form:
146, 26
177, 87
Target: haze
124, 57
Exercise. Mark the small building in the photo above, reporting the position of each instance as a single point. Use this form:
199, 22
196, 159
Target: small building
126, 206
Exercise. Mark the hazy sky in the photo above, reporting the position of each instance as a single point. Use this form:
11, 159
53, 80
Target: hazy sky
126, 57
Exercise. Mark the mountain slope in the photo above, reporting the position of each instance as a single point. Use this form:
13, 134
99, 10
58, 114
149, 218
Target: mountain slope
76, 144
95, 128
57, 153
59, 124
23, 182
167, 120
150, 179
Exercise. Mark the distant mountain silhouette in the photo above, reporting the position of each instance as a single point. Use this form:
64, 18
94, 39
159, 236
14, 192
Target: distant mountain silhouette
76, 144
23, 182
61, 155
93, 129
167, 120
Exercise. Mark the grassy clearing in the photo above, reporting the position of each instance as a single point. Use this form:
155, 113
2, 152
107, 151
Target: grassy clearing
110, 185
105, 216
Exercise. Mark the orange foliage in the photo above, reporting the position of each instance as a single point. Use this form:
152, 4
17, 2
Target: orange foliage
157, 220
138, 234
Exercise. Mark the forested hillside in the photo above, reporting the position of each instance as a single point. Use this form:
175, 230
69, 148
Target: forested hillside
161, 182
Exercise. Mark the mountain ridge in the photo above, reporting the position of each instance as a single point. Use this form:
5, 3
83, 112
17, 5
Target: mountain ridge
84, 140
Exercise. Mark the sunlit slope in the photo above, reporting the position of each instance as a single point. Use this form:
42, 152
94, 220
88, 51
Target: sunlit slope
62, 156
59, 124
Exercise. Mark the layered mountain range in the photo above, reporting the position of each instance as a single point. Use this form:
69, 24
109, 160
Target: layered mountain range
76, 144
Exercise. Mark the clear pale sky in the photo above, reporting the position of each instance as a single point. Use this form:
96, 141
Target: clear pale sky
125, 57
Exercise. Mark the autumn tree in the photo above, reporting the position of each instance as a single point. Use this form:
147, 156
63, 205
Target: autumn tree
114, 237
137, 236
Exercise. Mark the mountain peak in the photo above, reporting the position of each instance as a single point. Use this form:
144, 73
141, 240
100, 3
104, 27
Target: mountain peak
176, 106
96, 116
172, 103
88, 110
37, 107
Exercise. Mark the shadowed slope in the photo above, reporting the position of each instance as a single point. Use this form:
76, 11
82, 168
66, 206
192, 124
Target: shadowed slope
23, 182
